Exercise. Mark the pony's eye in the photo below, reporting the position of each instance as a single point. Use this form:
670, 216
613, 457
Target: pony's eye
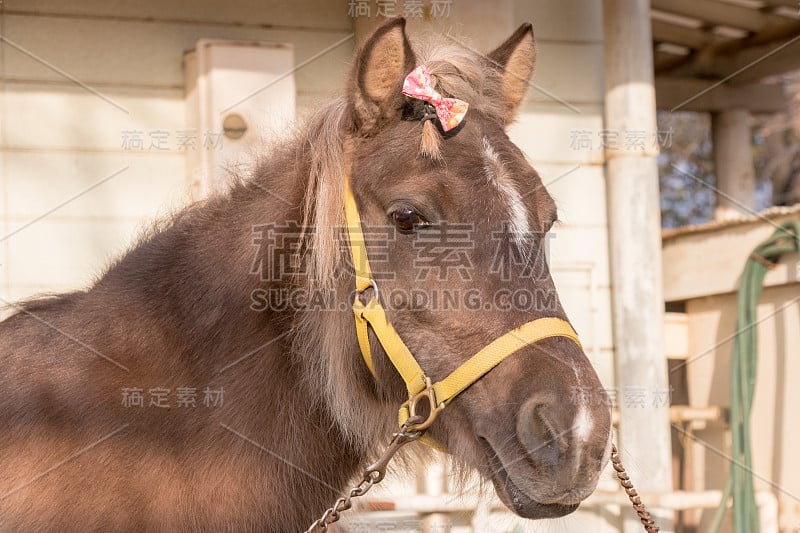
407, 220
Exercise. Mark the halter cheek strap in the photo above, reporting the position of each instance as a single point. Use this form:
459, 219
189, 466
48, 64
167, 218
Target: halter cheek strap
419, 386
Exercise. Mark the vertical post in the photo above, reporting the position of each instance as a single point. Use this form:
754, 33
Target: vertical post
432, 481
733, 163
635, 241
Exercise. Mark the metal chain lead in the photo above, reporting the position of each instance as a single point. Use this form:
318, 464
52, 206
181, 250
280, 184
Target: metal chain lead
373, 474
411, 431
342, 504
625, 480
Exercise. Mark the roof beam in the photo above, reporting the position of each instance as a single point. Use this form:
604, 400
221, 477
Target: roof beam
742, 61
691, 94
716, 13
752, 64
663, 61
782, 3
665, 32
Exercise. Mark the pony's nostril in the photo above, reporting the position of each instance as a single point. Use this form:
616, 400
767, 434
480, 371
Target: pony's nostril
538, 435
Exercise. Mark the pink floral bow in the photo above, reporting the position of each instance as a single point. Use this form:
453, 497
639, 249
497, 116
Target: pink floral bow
450, 111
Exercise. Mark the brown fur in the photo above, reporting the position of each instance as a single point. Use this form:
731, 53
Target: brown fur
301, 412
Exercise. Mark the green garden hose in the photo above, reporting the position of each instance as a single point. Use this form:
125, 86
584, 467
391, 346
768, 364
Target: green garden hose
739, 487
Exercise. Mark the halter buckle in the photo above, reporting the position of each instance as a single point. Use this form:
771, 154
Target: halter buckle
429, 394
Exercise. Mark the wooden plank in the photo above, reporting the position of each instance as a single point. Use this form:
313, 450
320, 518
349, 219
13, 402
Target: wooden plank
558, 64
321, 14
691, 94
594, 328
544, 131
742, 61
579, 192
60, 116
698, 416
716, 13
708, 263
676, 335
77, 251
753, 64
782, 3
150, 54
581, 245
107, 185
672, 33
666, 62
562, 20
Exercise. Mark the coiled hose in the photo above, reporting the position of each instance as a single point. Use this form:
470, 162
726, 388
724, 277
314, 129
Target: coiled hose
739, 487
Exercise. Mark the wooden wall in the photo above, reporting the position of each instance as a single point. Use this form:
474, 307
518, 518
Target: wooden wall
76, 76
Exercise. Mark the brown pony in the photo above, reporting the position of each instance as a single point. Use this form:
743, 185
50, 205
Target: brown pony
211, 378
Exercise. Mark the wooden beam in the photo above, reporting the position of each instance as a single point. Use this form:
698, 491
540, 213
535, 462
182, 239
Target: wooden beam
715, 256
672, 33
756, 63
664, 62
692, 94
716, 13
782, 3
744, 63
699, 417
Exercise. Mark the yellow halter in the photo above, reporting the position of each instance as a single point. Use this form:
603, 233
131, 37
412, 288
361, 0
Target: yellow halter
418, 384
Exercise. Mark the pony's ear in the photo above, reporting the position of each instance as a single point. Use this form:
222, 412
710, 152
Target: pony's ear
381, 66
516, 58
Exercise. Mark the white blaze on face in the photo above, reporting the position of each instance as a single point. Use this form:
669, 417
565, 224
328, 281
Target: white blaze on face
583, 424
582, 430
497, 174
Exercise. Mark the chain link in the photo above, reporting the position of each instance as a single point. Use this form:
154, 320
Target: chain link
342, 504
373, 474
411, 431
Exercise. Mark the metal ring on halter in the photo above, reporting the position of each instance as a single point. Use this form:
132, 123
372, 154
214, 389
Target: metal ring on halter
374, 285
434, 407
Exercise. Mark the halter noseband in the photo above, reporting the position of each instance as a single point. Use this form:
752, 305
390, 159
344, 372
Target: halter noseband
418, 384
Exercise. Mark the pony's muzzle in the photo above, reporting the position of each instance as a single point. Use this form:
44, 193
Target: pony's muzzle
565, 445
